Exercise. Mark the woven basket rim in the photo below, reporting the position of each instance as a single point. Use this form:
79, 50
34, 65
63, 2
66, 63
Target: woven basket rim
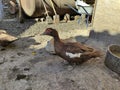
111, 51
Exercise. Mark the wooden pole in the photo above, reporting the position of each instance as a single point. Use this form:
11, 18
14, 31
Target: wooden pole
45, 8
55, 17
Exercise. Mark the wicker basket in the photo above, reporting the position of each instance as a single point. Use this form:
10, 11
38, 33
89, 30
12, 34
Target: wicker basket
112, 60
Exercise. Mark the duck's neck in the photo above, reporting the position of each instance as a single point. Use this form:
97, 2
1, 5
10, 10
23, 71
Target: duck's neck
56, 38
57, 44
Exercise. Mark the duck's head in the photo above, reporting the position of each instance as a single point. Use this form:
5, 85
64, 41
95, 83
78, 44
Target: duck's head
51, 32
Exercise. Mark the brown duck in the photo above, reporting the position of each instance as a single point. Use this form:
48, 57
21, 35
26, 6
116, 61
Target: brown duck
73, 52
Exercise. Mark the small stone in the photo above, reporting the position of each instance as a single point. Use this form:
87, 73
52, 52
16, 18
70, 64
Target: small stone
15, 69
20, 54
116, 80
3, 60
26, 69
2, 49
33, 53
21, 76
12, 60
69, 68
29, 88
42, 19
37, 19
12, 57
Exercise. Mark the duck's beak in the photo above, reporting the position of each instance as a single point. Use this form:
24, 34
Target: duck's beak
43, 33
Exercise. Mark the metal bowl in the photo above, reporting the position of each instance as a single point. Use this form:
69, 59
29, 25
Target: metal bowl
112, 60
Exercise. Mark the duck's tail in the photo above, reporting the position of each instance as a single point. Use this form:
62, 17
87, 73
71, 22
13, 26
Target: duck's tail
93, 54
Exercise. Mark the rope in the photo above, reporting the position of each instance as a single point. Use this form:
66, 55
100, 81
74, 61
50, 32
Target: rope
45, 8
53, 7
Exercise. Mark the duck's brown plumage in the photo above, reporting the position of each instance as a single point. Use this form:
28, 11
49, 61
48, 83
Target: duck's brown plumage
72, 51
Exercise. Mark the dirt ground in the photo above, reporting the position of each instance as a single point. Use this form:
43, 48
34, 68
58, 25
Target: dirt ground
26, 65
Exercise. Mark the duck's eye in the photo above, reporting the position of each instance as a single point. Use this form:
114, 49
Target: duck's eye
49, 30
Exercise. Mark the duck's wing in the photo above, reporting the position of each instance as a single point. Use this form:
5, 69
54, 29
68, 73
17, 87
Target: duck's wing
77, 48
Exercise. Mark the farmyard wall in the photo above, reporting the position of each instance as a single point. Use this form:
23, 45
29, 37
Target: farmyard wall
107, 16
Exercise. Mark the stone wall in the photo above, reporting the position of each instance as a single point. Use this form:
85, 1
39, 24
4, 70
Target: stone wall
107, 16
